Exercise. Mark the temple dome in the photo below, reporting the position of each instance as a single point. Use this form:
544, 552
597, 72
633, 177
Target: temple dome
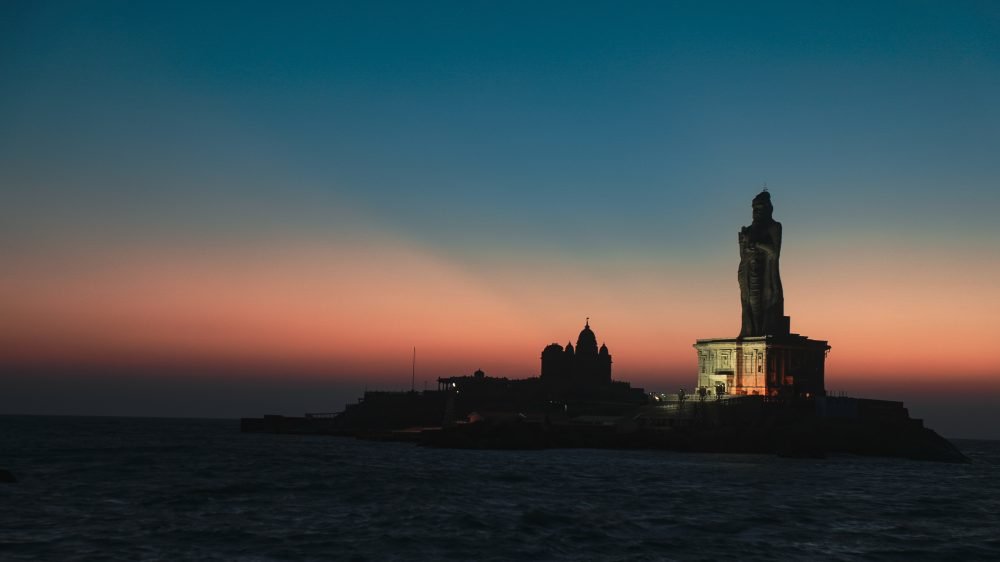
583, 365
587, 342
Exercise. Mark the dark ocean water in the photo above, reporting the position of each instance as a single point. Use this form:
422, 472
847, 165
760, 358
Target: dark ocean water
133, 489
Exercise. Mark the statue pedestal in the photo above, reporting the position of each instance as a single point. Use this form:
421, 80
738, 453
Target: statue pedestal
781, 365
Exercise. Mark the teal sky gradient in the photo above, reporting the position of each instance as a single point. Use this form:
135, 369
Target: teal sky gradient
551, 128
624, 138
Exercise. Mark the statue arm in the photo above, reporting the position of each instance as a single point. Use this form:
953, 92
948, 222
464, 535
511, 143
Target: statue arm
744, 240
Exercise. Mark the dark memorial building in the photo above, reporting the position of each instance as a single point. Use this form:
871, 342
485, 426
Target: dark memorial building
584, 365
578, 376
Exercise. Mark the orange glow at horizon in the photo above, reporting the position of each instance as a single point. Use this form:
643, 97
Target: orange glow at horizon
350, 311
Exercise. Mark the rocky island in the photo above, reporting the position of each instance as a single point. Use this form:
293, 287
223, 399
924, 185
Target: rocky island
762, 391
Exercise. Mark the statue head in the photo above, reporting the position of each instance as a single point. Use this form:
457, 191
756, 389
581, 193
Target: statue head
762, 207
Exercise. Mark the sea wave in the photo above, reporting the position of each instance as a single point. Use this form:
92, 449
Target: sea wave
127, 489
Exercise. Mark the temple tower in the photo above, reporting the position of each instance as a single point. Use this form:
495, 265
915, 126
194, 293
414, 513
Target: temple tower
586, 364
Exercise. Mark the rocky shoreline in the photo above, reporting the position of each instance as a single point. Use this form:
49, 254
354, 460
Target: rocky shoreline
812, 428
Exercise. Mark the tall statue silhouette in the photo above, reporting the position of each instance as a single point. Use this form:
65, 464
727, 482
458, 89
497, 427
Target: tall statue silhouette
760, 283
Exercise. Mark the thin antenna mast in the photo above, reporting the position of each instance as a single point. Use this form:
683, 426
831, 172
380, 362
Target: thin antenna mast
413, 373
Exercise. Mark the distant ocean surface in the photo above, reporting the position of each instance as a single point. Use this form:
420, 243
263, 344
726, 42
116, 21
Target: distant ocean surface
172, 489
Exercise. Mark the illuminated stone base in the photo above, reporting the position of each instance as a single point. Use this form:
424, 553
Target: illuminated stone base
789, 365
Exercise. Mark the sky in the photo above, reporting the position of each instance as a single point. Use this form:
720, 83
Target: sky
232, 209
